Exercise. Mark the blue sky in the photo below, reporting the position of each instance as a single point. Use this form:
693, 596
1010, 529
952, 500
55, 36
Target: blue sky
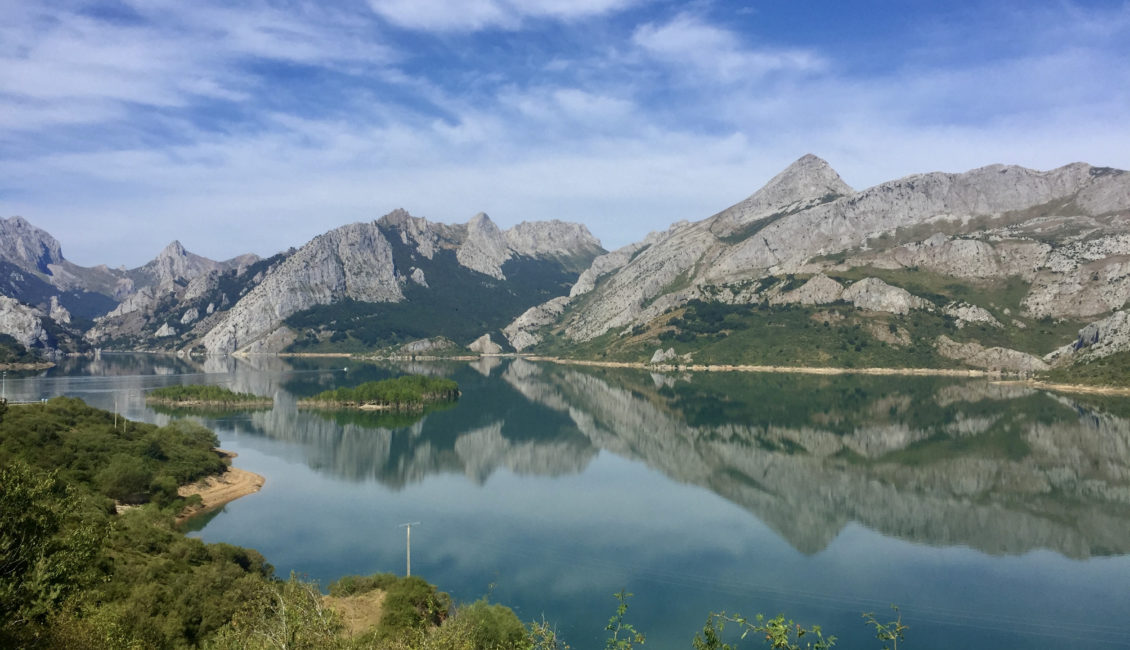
254, 126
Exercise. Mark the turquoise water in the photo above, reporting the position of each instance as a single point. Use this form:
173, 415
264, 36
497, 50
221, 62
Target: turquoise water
994, 516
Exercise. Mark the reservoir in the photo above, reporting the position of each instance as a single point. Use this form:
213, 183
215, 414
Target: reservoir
992, 515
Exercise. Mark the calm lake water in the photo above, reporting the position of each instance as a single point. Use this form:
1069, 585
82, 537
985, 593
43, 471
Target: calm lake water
994, 516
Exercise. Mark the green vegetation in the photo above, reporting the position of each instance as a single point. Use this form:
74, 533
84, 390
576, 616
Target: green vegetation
106, 456
406, 393
204, 395
13, 352
1112, 370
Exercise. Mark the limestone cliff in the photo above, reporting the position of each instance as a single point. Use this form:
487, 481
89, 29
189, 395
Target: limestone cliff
1061, 230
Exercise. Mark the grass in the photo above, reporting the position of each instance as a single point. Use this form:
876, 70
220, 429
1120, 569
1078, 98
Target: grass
405, 393
1113, 370
204, 395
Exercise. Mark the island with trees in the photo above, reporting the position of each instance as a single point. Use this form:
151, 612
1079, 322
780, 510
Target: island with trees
405, 393
205, 396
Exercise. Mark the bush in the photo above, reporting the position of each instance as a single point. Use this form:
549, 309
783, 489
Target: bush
412, 604
482, 626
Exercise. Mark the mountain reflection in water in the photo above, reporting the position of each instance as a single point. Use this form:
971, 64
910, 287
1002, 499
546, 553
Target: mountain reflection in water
1003, 469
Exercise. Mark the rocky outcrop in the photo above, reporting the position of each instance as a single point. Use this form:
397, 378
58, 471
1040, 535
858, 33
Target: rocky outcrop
873, 294
994, 358
483, 345
23, 323
522, 332
58, 312
819, 290
427, 346
965, 313
1097, 340
570, 243
28, 247
484, 249
164, 331
353, 261
663, 356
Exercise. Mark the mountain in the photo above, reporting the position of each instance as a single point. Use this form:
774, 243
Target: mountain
996, 267
65, 299
401, 278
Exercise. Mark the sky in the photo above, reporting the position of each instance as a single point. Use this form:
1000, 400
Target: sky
241, 126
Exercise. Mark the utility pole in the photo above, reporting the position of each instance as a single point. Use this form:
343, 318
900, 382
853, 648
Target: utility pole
408, 538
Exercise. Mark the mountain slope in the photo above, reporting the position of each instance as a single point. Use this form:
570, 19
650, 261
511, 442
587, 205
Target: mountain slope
1029, 245
376, 277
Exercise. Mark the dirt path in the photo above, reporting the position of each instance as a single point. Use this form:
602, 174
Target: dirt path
215, 491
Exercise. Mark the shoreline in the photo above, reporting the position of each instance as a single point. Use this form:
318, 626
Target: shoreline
218, 490
209, 404
15, 367
1117, 391
804, 370
971, 373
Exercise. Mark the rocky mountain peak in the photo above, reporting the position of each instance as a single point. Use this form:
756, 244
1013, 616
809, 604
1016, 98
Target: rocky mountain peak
810, 177
484, 249
174, 250
28, 247
398, 218
807, 182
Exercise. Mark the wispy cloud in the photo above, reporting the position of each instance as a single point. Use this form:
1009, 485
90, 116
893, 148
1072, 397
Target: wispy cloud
474, 15
703, 48
272, 122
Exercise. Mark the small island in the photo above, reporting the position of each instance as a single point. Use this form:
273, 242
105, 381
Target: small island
205, 396
406, 393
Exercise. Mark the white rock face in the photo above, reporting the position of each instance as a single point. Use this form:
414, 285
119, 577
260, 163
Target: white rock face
966, 313
819, 290
353, 261
165, 330
1000, 220
873, 294
520, 333
808, 182
426, 346
23, 323
59, 313
996, 358
28, 247
483, 345
557, 239
417, 276
190, 316
485, 248
663, 356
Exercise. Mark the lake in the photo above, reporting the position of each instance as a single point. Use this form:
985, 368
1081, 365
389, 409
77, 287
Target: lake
993, 516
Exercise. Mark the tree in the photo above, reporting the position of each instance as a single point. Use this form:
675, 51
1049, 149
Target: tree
47, 547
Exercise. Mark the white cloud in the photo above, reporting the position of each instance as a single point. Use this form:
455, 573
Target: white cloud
688, 41
474, 15
66, 64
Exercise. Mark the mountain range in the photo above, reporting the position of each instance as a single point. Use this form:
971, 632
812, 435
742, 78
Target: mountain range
1001, 267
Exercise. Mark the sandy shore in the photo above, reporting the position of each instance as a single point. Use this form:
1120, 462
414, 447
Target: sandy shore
215, 491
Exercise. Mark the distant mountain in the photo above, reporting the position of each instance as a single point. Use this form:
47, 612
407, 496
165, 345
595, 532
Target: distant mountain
402, 278
1026, 257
